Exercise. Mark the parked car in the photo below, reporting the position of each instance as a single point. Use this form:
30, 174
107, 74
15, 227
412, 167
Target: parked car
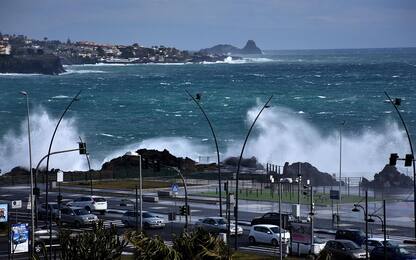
77, 216
272, 218
342, 249
150, 220
127, 202
90, 203
298, 248
268, 234
218, 225
376, 242
392, 252
355, 235
53, 208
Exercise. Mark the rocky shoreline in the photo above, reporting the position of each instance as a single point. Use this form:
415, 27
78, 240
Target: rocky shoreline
31, 64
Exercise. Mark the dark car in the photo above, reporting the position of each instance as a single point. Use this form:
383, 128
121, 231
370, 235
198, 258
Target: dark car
355, 235
342, 249
392, 252
272, 218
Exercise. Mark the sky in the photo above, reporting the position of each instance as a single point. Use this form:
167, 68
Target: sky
196, 24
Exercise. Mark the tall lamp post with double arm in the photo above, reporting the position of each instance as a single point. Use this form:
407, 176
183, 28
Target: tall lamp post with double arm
383, 226
238, 169
365, 210
196, 100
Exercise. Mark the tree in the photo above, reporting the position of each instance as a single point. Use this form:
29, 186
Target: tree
195, 245
100, 243
200, 245
151, 248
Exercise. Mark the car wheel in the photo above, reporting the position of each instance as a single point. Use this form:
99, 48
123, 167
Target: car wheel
274, 242
251, 240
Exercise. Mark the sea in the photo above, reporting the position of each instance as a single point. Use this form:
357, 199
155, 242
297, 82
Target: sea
323, 102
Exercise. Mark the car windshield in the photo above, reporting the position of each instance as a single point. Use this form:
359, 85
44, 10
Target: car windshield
351, 245
99, 200
318, 240
221, 221
275, 230
81, 212
148, 215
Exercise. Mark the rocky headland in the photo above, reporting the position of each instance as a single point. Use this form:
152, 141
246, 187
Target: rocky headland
227, 49
31, 64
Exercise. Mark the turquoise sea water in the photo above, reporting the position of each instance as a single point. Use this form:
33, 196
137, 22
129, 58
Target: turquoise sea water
127, 107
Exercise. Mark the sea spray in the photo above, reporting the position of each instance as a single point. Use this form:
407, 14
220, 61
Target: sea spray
281, 135
14, 144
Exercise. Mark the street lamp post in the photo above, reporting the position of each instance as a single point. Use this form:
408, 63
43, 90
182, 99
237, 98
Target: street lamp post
216, 146
383, 226
340, 165
238, 169
365, 210
32, 206
75, 98
396, 103
140, 188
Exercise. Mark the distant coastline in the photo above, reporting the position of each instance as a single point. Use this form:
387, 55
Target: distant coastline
20, 54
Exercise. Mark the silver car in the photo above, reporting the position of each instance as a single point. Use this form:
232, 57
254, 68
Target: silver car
77, 216
218, 225
150, 220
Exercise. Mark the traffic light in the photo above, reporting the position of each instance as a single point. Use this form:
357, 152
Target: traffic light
182, 210
82, 148
305, 190
393, 159
408, 160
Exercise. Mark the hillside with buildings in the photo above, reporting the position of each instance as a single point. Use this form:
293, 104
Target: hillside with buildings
15, 47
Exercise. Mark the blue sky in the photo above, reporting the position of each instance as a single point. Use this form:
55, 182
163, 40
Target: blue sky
196, 24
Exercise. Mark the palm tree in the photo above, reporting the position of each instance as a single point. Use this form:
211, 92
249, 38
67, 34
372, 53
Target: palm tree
100, 243
151, 248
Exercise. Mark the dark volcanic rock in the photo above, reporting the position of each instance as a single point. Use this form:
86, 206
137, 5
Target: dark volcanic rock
28, 64
225, 49
310, 172
245, 162
151, 158
389, 178
251, 48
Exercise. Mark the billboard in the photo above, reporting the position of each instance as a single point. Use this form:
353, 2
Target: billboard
19, 238
301, 232
4, 212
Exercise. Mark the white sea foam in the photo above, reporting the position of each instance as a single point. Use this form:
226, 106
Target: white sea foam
280, 136
322, 97
82, 72
19, 74
60, 97
177, 146
14, 144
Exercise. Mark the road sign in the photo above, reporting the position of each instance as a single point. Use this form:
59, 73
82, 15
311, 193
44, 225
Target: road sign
60, 176
19, 238
16, 204
334, 194
29, 202
3, 212
175, 188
